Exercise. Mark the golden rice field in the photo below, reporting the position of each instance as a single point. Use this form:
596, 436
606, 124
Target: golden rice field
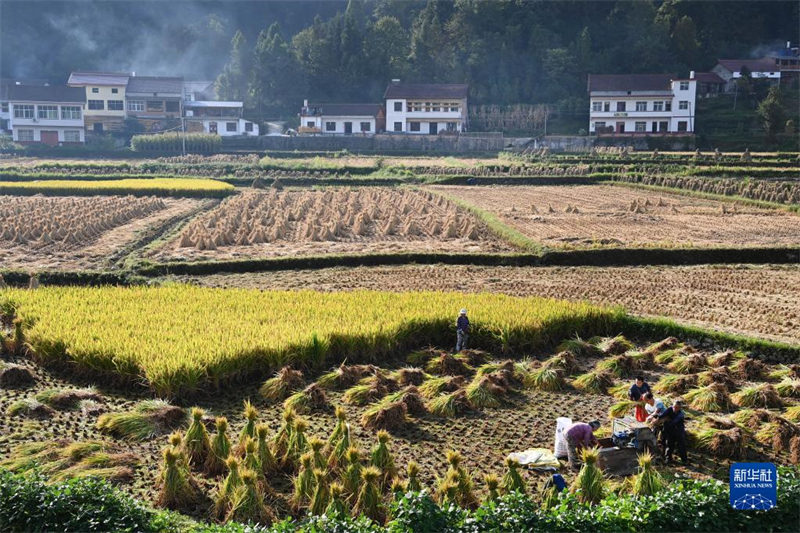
155, 186
180, 338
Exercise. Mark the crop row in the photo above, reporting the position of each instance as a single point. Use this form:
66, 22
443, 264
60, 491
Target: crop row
202, 188
181, 338
176, 142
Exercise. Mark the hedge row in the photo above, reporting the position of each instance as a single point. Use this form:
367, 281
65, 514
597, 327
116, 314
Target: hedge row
31, 505
198, 143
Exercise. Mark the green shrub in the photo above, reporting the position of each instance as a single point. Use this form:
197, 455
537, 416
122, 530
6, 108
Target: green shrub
196, 143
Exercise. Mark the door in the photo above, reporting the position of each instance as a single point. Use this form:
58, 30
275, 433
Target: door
49, 137
348, 128
620, 127
434, 128
97, 127
212, 127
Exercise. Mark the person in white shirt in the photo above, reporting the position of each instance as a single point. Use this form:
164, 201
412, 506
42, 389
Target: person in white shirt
653, 406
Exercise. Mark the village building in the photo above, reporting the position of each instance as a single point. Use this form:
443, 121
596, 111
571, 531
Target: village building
105, 99
644, 104
731, 70
220, 118
426, 108
709, 84
155, 101
341, 119
47, 114
787, 61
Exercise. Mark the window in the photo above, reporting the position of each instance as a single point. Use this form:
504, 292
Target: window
436, 107
48, 112
683, 104
398, 126
658, 106
413, 126
135, 105
451, 126
366, 126
668, 105
454, 108
682, 125
684, 86
155, 105
330, 126
641, 106
4, 107
641, 127
248, 126
620, 106
606, 107
95, 90
114, 91
72, 136
310, 124
23, 111
70, 112
597, 106
172, 107
116, 105
599, 126
663, 126
230, 127
96, 104
398, 106
212, 127
25, 135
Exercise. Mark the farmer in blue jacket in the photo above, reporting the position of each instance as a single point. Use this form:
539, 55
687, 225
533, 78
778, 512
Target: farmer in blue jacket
462, 331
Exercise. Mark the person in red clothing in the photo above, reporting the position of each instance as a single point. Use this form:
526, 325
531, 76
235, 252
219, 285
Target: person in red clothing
580, 435
635, 393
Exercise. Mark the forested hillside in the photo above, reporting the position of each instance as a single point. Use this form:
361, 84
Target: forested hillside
273, 54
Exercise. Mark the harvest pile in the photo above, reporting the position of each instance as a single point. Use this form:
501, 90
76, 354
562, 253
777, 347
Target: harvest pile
608, 216
65, 222
265, 217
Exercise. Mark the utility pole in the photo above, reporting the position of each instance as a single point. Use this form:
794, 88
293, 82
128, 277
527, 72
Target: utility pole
183, 133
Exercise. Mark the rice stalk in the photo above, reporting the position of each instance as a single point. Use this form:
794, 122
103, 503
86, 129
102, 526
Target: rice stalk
220, 448
449, 405
176, 488
761, 395
512, 480
196, 441
381, 458
412, 473
285, 381
321, 497
594, 382
648, 481
589, 486
368, 502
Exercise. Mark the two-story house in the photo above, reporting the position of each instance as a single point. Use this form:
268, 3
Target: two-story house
731, 70
641, 103
47, 114
426, 108
155, 101
341, 119
105, 99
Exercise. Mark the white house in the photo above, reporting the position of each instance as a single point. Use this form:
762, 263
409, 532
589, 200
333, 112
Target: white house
422, 108
341, 119
5, 116
47, 114
730, 70
223, 118
641, 104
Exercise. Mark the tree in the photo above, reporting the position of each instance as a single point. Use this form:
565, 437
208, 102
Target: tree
770, 110
232, 83
684, 36
386, 51
275, 83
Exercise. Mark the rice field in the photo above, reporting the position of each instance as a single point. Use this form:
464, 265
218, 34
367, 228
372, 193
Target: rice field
181, 338
199, 187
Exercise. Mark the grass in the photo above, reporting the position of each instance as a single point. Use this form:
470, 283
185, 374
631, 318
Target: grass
184, 187
495, 225
164, 335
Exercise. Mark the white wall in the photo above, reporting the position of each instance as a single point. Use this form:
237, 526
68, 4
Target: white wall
339, 121
631, 116
222, 129
37, 132
441, 118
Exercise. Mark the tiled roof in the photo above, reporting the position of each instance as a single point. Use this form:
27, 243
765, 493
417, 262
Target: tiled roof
51, 93
147, 85
426, 90
629, 82
708, 77
212, 103
98, 78
357, 110
753, 65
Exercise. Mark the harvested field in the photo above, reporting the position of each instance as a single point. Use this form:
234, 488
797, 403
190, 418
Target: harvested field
77, 232
761, 300
607, 216
284, 223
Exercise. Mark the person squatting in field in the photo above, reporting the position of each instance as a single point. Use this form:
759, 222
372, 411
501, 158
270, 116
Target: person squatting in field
580, 435
462, 331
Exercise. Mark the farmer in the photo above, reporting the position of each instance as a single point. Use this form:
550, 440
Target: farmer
580, 435
654, 406
638, 388
462, 331
673, 434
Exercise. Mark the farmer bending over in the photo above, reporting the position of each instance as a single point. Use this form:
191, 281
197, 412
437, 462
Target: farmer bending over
462, 331
580, 435
673, 435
